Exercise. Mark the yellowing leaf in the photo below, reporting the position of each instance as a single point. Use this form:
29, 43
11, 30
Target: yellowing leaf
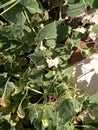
45, 122
4, 102
20, 112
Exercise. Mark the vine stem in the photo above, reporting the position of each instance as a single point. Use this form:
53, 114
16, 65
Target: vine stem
60, 10
10, 7
23, 97
7, 3
84, 2
28, 21
86, 126
34, 90
4, 93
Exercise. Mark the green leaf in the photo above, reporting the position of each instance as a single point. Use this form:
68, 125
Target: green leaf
49, 117
4, 1
90, 2
34, 112
38, 57
93, 3
93, 99
56, 31
95, 29
3, 75
77, 105
62, 31
14, 32
5, 125
77, 43
65, 109
32, 76
69, 126
49, 32
86, 51
50, 74
30, 44
32, 5
50, 43
6, 45
11, 47
15, 15
66, 74
75, 8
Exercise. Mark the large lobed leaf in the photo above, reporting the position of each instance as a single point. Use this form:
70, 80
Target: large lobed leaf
16, 14
76, 7
14, 32
56, 31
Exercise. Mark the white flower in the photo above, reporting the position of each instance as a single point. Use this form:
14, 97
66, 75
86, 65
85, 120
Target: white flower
80, 29
52, 62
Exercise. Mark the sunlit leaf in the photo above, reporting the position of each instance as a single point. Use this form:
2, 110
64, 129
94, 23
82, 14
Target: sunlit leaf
75, 8
49, 32
56, 31
93, 99
33, 6
95, 29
